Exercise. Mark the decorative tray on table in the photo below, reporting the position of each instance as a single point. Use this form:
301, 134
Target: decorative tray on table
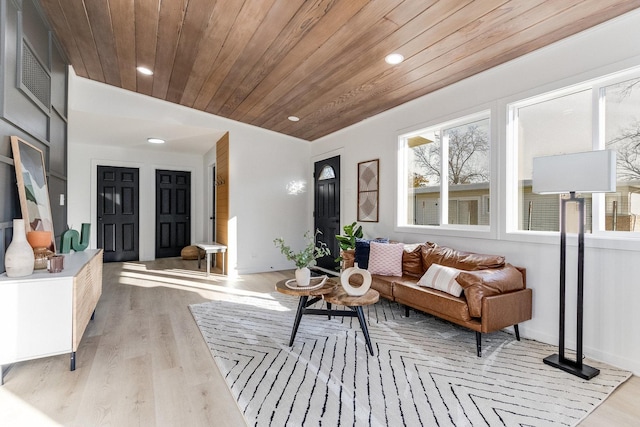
314, 283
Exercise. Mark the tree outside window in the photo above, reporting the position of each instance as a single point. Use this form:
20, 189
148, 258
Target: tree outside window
622, 133
466, 147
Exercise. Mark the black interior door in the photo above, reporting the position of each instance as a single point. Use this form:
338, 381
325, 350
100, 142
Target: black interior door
173, 212
326, 211
118, 214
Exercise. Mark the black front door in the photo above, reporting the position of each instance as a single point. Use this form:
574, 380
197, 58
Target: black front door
326, 211
173, 212
118, 216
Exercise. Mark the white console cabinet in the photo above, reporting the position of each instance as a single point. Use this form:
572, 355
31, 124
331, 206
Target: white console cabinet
46, 314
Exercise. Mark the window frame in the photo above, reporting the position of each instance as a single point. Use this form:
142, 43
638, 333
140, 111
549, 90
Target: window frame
599, 236
444, 228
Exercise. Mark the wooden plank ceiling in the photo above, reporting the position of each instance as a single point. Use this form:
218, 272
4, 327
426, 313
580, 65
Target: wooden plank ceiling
260, 61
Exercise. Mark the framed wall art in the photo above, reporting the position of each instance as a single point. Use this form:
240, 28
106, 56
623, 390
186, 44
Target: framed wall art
368, 191
32, 187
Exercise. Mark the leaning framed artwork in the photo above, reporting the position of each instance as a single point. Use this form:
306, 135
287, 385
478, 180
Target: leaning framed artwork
368, 191
32, 187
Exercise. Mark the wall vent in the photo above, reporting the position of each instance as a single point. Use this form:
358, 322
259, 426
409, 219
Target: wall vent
34, 77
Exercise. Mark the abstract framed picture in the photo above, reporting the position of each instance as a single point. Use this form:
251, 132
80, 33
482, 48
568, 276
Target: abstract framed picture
368, 190
32, 187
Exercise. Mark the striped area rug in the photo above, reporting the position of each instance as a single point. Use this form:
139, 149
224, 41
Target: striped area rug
424, 373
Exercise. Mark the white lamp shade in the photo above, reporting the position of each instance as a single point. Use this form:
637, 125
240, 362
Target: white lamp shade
588, 172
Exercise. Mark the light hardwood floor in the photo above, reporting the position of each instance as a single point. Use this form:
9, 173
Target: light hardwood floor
143, 362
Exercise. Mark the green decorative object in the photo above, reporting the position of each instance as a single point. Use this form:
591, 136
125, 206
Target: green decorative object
71, 240
307, 256
348, 239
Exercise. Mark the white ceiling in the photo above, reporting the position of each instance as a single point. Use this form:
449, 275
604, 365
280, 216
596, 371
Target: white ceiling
132, 133
105, 115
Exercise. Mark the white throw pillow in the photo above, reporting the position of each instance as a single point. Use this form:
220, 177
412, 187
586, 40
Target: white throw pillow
442, 278
385, 259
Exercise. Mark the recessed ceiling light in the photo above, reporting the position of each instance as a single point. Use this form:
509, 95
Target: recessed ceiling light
394, 58
156, 140
145, 71
294, 118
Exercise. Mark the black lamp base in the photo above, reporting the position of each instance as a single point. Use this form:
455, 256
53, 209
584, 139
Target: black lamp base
581, 370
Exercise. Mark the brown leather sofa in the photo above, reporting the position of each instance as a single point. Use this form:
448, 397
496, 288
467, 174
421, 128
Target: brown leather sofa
494, 295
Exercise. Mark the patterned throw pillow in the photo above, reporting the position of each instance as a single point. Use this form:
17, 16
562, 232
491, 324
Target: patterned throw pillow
363, 248
442, 278
385, 259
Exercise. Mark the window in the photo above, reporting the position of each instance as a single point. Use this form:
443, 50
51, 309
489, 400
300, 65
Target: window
597, 115
547, 126
456, 193
621, 103
327, 172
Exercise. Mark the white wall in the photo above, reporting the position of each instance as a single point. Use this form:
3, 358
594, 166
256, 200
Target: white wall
261, 164
82, 184
612, 287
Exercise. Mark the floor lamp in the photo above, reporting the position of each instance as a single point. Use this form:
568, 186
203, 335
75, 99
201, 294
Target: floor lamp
589, 172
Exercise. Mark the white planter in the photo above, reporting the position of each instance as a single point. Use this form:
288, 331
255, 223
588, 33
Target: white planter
19, 258
303, 276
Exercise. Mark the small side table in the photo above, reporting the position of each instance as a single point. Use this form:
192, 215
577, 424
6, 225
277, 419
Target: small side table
332, 293
211, 248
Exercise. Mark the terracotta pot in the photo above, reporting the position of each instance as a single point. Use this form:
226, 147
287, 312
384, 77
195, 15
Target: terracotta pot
39, 239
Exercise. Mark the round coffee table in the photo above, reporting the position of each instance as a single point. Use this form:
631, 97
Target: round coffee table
332, 293
340, 297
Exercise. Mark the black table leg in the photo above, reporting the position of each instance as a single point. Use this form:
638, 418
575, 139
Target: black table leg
301, 306
72, 363
363, 325
329, 308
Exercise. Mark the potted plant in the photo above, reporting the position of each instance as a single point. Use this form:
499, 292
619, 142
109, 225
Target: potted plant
347, 241
306, 257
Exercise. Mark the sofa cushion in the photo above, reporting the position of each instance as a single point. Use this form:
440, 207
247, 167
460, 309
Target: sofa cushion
363, 249
412, 260
385, 259
462, 260
442, 278
480, 284
406, 291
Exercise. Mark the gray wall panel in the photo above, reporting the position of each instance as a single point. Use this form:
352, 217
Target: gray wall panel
21, 115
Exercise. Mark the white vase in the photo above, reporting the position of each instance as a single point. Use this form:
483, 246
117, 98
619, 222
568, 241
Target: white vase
303, 276
19, 258
355, 291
